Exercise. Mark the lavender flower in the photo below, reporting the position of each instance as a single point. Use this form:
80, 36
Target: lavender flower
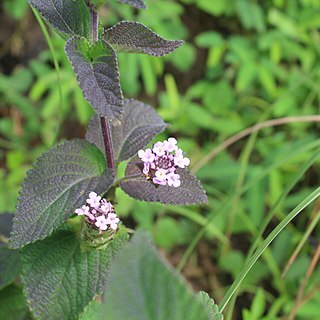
99, 213
161, 161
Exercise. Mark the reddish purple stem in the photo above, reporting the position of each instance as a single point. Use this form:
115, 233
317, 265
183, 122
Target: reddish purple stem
106, 133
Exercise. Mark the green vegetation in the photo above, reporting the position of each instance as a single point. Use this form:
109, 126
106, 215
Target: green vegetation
244, 63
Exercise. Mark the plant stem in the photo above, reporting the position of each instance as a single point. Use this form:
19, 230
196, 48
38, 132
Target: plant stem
94, 24
105, 126
106, 133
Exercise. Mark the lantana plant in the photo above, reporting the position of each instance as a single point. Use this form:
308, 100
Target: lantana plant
66, 226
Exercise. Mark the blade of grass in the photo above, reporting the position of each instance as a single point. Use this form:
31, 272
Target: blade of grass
265, 244
278, 203
56, 66
303, 240
201, 233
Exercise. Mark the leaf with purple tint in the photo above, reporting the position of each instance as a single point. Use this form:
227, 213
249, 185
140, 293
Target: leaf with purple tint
97, 72
69, 17
59, 182
138, 187
134, 37
138, 126
139, 4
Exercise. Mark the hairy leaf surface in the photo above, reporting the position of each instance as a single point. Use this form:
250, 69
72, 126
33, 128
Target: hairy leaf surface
10, 265
139, 125
6, 224
66, 16
210, 306
139, 4
138, 187
97, 72
134, 37
60, 182
12, 304
142, 287
60, 279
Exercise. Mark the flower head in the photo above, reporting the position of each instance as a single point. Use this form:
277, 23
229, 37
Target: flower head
99, 213
161, 162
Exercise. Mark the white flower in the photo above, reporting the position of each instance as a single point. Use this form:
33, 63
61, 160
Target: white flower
161, 174
83, 211
101, 223
146, 155
106, 206
94, 200
179, 160
170, 144
173, 180
159, 149
113, 221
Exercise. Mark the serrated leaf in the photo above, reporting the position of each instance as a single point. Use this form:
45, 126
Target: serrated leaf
134, 37
139, 125
69, 17
60, 182
10, 265
60, 279
141, 286
210, 306
97, 72
6, 224
139, 4
12, 304
138, 187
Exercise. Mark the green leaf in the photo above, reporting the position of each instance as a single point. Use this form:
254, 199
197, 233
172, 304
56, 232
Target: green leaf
12, 304
138, 187
139, 4
92, 311
60, 182
210, 306
60, 279
134, 37
97, 72
142, 287
69, 17
139, 125
9, 265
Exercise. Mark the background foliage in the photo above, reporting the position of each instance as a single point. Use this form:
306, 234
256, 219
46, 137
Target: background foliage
244, 62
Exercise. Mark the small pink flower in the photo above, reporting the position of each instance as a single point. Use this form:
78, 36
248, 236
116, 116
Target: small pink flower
160, 182
146, 168
161, 174
159, 149
179, 160
113, 221
101, 223
146, 156
170, 144
83, 211
106, 206
173, 180
94, 200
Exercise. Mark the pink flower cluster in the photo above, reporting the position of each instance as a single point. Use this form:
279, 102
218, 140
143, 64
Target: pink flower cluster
99, 213
160, 162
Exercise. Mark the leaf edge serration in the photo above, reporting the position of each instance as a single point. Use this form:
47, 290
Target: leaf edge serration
20, 245
178, 43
